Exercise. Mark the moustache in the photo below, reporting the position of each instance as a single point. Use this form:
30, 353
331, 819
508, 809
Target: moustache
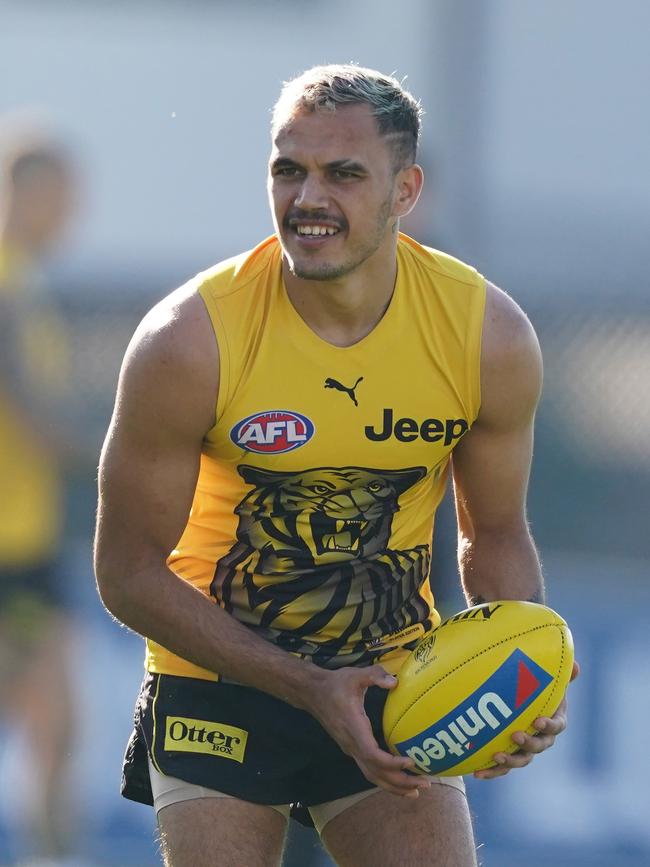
296, 216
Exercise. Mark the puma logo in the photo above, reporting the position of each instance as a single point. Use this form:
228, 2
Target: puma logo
334, 383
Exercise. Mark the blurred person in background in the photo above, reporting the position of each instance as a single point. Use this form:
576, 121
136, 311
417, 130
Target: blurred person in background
36, 197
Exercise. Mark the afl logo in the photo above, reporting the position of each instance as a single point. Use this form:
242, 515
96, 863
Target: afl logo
272, 432
424, 648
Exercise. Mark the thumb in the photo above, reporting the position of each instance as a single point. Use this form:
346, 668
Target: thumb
380, 677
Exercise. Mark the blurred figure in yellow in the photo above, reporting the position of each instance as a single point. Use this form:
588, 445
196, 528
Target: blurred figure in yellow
36, 196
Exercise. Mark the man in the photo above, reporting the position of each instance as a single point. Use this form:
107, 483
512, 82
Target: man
36, 187
267, 499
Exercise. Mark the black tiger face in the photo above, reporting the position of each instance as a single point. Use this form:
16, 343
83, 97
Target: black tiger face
319, 516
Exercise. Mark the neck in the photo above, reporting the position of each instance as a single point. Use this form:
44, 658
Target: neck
342, 312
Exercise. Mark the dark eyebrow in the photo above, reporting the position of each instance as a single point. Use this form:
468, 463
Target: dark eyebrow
349, 166
284, 162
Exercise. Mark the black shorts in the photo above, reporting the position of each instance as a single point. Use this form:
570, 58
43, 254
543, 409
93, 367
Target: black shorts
239, 741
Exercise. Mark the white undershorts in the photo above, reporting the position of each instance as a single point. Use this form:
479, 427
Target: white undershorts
170, 790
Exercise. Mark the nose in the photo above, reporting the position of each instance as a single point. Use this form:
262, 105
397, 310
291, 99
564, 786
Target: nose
312, 195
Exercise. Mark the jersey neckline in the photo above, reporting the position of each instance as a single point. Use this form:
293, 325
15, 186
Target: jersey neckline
383, 326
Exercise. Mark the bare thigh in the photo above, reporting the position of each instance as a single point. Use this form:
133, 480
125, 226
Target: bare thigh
434, 830
221, 832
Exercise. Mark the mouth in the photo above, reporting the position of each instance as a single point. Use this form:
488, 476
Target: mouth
313, 234
337, 535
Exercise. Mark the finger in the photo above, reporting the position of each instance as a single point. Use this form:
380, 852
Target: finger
388, 770
533, 743
557, 723
387, 763
519, 759
402, 785
400, 777
491, 773
391, 775
379, 766
401, 793
387, 786
398, 783
553, 725
388, 766
378, 676
356, 737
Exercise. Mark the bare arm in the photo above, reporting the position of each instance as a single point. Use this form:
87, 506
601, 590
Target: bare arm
148, 473
491, 465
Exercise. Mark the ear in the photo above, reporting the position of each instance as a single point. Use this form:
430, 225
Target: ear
408, 186
402, 480
260, 478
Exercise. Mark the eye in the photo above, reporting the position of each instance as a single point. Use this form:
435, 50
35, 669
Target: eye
286, 172
344, 175
320, 489
375, 487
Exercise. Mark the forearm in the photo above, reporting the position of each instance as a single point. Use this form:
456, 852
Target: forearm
160, 606
500, 565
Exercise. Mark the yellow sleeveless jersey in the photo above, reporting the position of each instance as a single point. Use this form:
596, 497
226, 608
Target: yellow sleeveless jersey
30, 487
313, 513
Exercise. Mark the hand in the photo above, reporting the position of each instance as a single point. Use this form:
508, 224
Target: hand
548, 728
338, 706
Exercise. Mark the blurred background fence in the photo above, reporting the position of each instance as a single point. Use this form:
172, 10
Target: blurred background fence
536, 146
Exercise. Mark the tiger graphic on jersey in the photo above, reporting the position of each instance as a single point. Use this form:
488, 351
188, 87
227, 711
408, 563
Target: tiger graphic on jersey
311, 569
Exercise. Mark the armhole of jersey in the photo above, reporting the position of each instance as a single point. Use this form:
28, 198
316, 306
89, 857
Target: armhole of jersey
476, 325
223, 348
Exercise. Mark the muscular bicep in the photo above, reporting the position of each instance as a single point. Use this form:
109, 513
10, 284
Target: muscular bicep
145, 486
490, 471
150, 461
491, 464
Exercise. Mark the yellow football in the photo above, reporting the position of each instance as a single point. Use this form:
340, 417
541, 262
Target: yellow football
468, 685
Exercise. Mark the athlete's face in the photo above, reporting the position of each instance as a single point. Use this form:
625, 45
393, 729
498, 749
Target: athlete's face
45, 199
333, 190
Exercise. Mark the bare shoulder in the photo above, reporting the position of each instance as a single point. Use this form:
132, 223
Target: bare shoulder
172, 362
507, 332
511, 360
178, 329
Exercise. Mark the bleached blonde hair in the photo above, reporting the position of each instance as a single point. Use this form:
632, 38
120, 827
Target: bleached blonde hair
322, 88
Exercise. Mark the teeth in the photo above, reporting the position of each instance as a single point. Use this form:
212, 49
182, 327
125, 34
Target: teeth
316, 230
356, 522
334, 546
343, 542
